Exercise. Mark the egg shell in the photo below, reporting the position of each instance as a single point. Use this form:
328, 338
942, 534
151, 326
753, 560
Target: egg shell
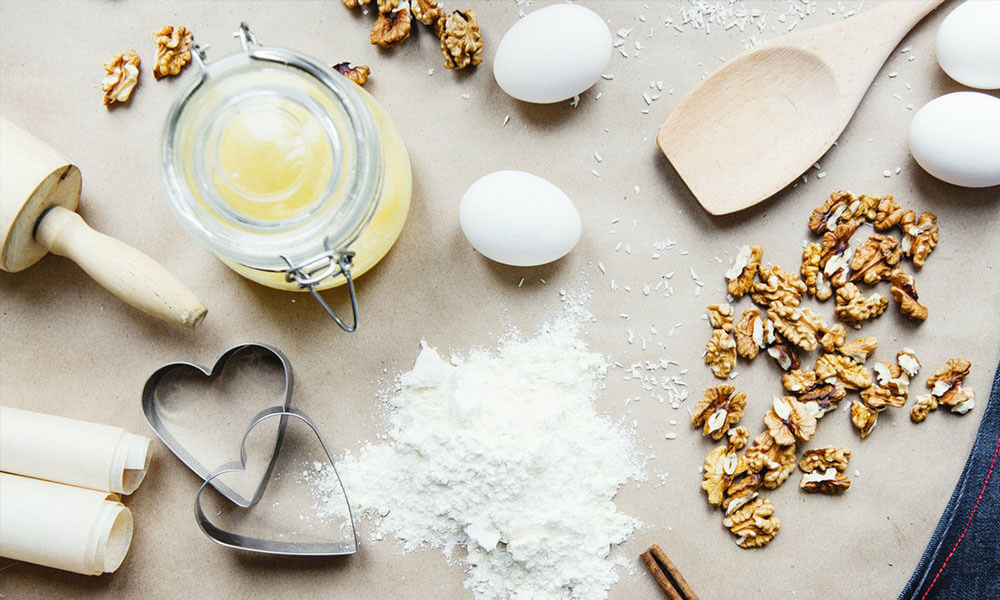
553, 54
956, 138
519, 219
968, 44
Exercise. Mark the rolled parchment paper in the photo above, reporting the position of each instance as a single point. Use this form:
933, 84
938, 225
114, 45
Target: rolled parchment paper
90, 455
62, 526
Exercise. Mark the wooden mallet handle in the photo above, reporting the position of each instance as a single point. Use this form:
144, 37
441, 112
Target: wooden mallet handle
120, 268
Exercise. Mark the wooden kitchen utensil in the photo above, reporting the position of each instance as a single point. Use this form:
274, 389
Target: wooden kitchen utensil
39, 192
770, 113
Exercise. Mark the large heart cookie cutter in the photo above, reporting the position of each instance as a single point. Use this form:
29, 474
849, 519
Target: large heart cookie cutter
266, 546
149, 409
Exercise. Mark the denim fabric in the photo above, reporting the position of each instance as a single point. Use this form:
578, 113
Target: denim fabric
962, 560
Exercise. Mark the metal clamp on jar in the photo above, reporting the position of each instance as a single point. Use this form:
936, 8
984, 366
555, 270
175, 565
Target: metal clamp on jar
289, 172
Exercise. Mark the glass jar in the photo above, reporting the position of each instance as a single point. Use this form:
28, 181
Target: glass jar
289, 172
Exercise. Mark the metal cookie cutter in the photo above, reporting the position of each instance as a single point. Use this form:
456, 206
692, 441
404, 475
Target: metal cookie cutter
267, 546
193, 462
283, 412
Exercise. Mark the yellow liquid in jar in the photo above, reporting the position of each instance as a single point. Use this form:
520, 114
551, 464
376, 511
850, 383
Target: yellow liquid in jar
274, 162
378, 237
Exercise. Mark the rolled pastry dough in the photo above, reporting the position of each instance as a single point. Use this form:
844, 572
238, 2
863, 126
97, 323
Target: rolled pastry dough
99, 457
61, 526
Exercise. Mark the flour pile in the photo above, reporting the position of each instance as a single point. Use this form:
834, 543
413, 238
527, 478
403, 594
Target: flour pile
504, 455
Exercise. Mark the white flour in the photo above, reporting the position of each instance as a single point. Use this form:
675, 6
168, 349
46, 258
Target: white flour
501, 454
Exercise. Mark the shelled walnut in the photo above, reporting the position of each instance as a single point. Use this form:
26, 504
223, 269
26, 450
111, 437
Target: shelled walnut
789, 420
893, 378
799, 381
741, 274
905, 295
820, 459
719, 408
720, 353
801, 326
854, 309
173, 50
426, 11
741, 491
837, 368
750, 334
859, 350
833, 337
863, 418
812, 272
461, 42
920, 236
875, 259
823, 399
721, 468
907, 361
946, 381
391, 28
772, 461
922, 407
783, 353
738, 438
887, 214
754, 523
842, 208
880, 398
721, 316
777, 285
837, 254
829, 481
358, 74
121, 74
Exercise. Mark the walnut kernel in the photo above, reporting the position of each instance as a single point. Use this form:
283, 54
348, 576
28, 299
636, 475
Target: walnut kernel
840, 208
358, 74
721, 316
905, 295
880, 398
777, 285
750, 333
859, 350
825, 458
907, 361
783, 353
774, 462
121, 74
812, 272
946, 381
920, 236
719, 408
740, 276
738, 438
799, 381
720, 353
741, 491
801, 326
888, 214
874, 259
923, 406
823, 399
461, 43
837, 254
391, 28
829, 481
173, 50
863, 418
789, 420
837, 368
721, 468
754, 523
426, 11
854, 309
833, 337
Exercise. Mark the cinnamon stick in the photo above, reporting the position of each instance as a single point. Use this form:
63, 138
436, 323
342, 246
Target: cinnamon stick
666, 574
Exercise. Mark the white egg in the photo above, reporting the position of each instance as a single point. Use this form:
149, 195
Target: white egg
956, 138
553, 54
968, 44
519, 219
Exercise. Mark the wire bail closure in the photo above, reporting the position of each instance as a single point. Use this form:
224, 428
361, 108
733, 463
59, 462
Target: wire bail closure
331, 263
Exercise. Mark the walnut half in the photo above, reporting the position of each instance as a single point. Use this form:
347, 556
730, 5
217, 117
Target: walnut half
121, 74
905, 295
754, 523
820, 459
945, 383
391, 28
829, 481
461, 43
854, 309
789, 420
358, 74
741, 274
720, 353
173, 50
719, 408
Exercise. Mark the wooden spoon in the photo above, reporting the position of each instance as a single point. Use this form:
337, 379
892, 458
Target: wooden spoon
757, 123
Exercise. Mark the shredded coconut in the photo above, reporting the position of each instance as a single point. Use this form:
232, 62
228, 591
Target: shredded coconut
504, 455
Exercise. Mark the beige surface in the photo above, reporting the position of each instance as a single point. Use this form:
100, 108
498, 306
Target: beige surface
70, 348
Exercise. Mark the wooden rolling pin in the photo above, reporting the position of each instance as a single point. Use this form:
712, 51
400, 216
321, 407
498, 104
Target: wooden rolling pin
39, 192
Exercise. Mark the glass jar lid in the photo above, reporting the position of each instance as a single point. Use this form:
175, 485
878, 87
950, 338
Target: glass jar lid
270, 158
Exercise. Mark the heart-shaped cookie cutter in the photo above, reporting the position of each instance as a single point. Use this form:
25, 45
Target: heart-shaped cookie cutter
203, 471
267, 546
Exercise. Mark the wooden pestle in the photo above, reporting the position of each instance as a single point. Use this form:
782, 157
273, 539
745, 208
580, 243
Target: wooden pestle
39, 192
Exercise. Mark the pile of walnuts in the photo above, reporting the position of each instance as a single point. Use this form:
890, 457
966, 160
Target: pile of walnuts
461, 43
779, 326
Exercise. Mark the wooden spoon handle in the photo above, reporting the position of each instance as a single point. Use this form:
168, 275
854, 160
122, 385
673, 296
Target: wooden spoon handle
121, 269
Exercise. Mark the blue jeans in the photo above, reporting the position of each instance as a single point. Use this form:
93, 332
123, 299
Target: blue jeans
962, 560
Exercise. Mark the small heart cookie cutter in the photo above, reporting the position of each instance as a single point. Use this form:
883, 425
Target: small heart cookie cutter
262, 545
186, 456
210, 478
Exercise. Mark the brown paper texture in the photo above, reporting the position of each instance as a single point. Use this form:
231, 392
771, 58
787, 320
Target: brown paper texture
69, 348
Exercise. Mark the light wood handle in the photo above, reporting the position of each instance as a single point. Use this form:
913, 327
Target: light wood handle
120, 268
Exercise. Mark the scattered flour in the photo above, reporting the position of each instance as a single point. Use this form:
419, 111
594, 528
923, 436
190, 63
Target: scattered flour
503, 455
